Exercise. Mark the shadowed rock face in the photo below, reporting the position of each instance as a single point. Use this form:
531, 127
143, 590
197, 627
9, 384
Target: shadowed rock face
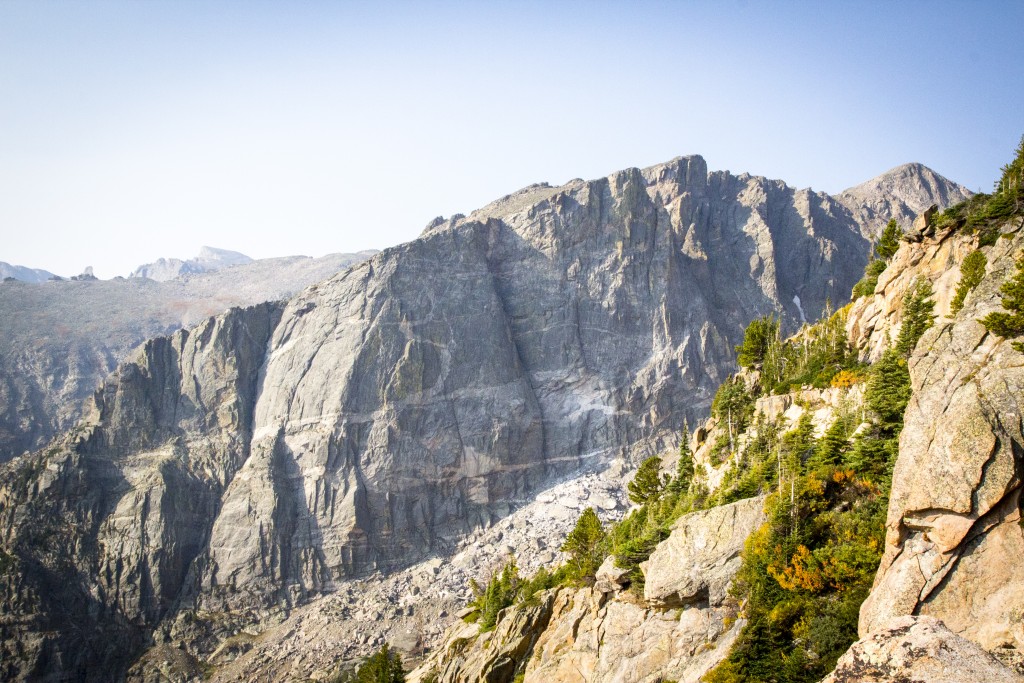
379, 415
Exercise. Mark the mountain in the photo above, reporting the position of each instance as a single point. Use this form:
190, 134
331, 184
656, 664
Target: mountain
209, 260
901, 193
60, 339
225, 476
778, 524
24, 274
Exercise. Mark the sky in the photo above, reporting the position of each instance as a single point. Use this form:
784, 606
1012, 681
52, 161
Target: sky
131, 131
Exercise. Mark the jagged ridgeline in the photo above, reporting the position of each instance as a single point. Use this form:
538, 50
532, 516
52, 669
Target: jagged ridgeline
231, 472
859, 479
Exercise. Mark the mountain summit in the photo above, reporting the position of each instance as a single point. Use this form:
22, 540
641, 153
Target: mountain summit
901, 193
208, 260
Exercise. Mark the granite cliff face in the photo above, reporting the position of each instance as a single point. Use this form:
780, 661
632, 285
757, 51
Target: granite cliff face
953, 529
272, 453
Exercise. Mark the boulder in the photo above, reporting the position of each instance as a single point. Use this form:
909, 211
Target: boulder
697, 562
918, 649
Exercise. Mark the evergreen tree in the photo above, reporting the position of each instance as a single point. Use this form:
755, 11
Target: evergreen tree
917, 316
384, 666
684, 468
888, 390
760, 333
1008, 325
889, 241
971, 272
831, 447
647, 483
584, 544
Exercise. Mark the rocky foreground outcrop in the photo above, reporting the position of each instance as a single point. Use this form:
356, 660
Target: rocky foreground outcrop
918, 649
953, 529
228, 474
683, 625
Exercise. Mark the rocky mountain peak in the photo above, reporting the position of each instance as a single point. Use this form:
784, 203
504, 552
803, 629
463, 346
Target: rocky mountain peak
901, 193
208, 260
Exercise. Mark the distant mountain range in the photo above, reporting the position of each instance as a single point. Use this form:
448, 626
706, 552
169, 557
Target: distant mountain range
209, 259
60, 338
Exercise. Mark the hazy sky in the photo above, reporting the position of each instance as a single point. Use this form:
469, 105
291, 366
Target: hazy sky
134, 130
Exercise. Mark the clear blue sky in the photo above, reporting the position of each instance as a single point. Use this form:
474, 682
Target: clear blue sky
133, 130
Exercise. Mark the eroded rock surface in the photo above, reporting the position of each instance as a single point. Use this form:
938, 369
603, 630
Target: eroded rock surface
953, 525
918, 649
698, 561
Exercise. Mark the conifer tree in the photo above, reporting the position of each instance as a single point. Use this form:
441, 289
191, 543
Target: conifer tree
831, 447
917, 316
1008, 325
384, 666
684, 468
889, 240
584, 544
647, 483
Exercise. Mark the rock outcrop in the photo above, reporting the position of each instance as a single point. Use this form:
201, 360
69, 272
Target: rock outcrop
697, 562
953, 526
605, 634
918, 649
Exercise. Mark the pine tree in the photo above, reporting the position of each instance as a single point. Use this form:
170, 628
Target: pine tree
917, 316
888, 390
384, 666
647, 483
831, 447
1008, 325
972, 270
760, 333
684, 468
584, 544
889, 241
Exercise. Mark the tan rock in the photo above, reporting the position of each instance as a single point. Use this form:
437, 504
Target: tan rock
699, 559
953, 530
918, 649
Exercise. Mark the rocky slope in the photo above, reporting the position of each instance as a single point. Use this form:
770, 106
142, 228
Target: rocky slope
228, 474
60, 339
